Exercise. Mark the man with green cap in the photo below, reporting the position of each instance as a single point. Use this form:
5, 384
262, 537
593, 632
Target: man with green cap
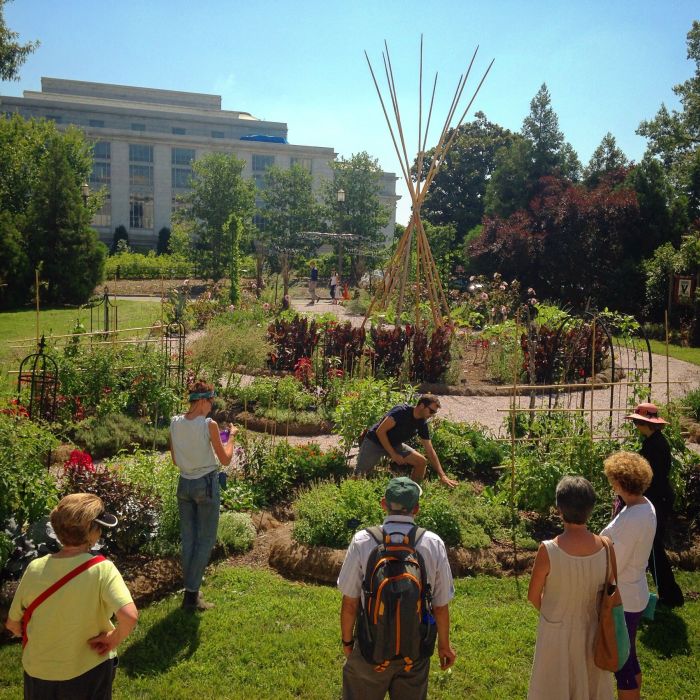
402, 678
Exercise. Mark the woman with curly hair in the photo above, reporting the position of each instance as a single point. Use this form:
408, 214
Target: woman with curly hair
195, 447
632, 532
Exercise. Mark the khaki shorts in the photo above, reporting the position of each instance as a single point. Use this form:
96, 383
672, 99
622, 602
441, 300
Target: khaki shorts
371, 454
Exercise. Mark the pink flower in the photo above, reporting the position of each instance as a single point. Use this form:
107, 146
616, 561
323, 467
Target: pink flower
484, 296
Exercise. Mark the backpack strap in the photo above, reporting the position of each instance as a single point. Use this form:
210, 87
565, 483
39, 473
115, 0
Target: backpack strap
29, 611
376, 533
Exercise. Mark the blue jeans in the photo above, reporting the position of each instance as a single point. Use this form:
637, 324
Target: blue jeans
198, 501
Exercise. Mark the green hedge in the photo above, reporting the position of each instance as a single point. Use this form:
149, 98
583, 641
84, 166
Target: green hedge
137, 266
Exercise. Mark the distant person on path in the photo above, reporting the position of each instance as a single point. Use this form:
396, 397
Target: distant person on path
656, 450
567, 579
195, 447
313, 282
334, 287
388, 436
70, 643
382, 654
632, 532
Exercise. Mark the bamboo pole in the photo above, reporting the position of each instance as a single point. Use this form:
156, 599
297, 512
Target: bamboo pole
668, 386
592, 369
512, 459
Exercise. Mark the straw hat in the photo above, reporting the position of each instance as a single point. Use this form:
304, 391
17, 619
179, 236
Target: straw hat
647, 412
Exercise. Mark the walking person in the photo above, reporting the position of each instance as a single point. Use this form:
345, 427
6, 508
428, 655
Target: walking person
334, 287
632, 532
69, 647
388, 436
656, 450
313, 282
394, 608
195, 447
567, 579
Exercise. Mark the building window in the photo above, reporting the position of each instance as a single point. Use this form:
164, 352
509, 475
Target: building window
103, 216
140, 154
140, 211
98, 123
101, 174
181, 177
138, 127
259, 180
102, 150
302, 162
218, 134
262, 163
179, 131
141, 175
182, 156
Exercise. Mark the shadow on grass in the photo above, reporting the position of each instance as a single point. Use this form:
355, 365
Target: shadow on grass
174, 639
667, 635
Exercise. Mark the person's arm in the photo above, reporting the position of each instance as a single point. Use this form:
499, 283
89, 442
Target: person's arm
447, 654
127, 617
384, 427
223, 451
348, 615
172, 451
540, 571
15, 627
435, 463
623, 535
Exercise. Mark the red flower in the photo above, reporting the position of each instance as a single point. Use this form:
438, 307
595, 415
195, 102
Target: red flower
79, 461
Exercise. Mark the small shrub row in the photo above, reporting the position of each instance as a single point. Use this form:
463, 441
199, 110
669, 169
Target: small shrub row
138, 266
110, 434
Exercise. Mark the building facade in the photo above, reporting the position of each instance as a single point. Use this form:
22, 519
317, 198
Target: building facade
146, 139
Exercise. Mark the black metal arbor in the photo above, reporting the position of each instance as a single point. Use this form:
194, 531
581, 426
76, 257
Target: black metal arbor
37, 384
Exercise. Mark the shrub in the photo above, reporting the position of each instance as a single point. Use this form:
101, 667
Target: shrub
139, 266
291, 341
344, 341
27, 490
158, 476
274, 472
464, 450
113, 433
134, 506
236, 532
430, 354
364, 402
691, 403
389, 347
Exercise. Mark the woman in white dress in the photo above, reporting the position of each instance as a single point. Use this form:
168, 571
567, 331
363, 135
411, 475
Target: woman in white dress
567, 579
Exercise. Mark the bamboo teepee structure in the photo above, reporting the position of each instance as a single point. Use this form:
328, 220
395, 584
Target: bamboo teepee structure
396, 275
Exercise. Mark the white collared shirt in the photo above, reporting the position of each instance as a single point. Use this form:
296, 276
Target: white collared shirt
431, 547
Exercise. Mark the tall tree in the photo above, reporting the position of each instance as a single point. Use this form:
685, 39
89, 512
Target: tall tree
510, 186
674, 136
541, 129
44, 218
606, 158
362, 213
12, 53
218, 191
288, 209
456, 195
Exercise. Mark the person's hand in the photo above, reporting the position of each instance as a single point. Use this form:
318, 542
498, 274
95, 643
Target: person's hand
103, 643
347, 651
451, 483
399, 459
447, 656
233, 429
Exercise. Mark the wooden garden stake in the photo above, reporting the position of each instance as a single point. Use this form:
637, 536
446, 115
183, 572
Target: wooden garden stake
668, 379
592, 370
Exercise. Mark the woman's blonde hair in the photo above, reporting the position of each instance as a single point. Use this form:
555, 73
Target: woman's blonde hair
630, 470
73, 518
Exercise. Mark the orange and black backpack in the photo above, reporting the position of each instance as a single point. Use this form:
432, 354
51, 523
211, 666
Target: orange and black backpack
396, 619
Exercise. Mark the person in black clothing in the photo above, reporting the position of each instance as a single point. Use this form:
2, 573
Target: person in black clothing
388, 436
656, 450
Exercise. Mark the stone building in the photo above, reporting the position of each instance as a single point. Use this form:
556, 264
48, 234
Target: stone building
146, 139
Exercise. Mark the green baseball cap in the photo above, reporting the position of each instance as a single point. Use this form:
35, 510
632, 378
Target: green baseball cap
403, 491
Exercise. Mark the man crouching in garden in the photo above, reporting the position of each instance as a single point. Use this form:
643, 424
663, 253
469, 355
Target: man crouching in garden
396, 584
387, 439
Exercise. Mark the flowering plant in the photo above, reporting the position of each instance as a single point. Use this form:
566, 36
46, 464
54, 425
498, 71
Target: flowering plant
79, 461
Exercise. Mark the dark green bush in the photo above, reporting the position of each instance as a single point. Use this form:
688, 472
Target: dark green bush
464, 450
691, 403
27, 490
110, 434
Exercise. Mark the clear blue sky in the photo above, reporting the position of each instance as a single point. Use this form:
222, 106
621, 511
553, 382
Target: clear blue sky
608, 64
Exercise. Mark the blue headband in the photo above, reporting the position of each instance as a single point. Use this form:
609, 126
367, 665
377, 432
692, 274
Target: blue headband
202, 395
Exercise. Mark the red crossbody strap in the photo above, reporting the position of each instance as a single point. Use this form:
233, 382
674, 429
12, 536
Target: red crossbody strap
52, 589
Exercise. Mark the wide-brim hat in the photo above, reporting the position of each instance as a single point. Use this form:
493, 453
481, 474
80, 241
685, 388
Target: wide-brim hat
647, 412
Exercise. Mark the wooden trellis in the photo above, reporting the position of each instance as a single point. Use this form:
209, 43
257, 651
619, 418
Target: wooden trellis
426, 274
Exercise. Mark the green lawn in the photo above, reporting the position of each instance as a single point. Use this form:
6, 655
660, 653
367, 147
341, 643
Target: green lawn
271, 638
20, 325
677, 351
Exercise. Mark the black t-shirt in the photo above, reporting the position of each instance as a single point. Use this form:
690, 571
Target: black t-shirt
656, 450
406, 426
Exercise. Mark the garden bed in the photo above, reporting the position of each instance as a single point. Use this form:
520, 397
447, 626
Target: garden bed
273, 427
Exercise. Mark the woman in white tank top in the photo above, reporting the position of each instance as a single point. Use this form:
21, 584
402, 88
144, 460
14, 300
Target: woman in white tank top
196, 450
